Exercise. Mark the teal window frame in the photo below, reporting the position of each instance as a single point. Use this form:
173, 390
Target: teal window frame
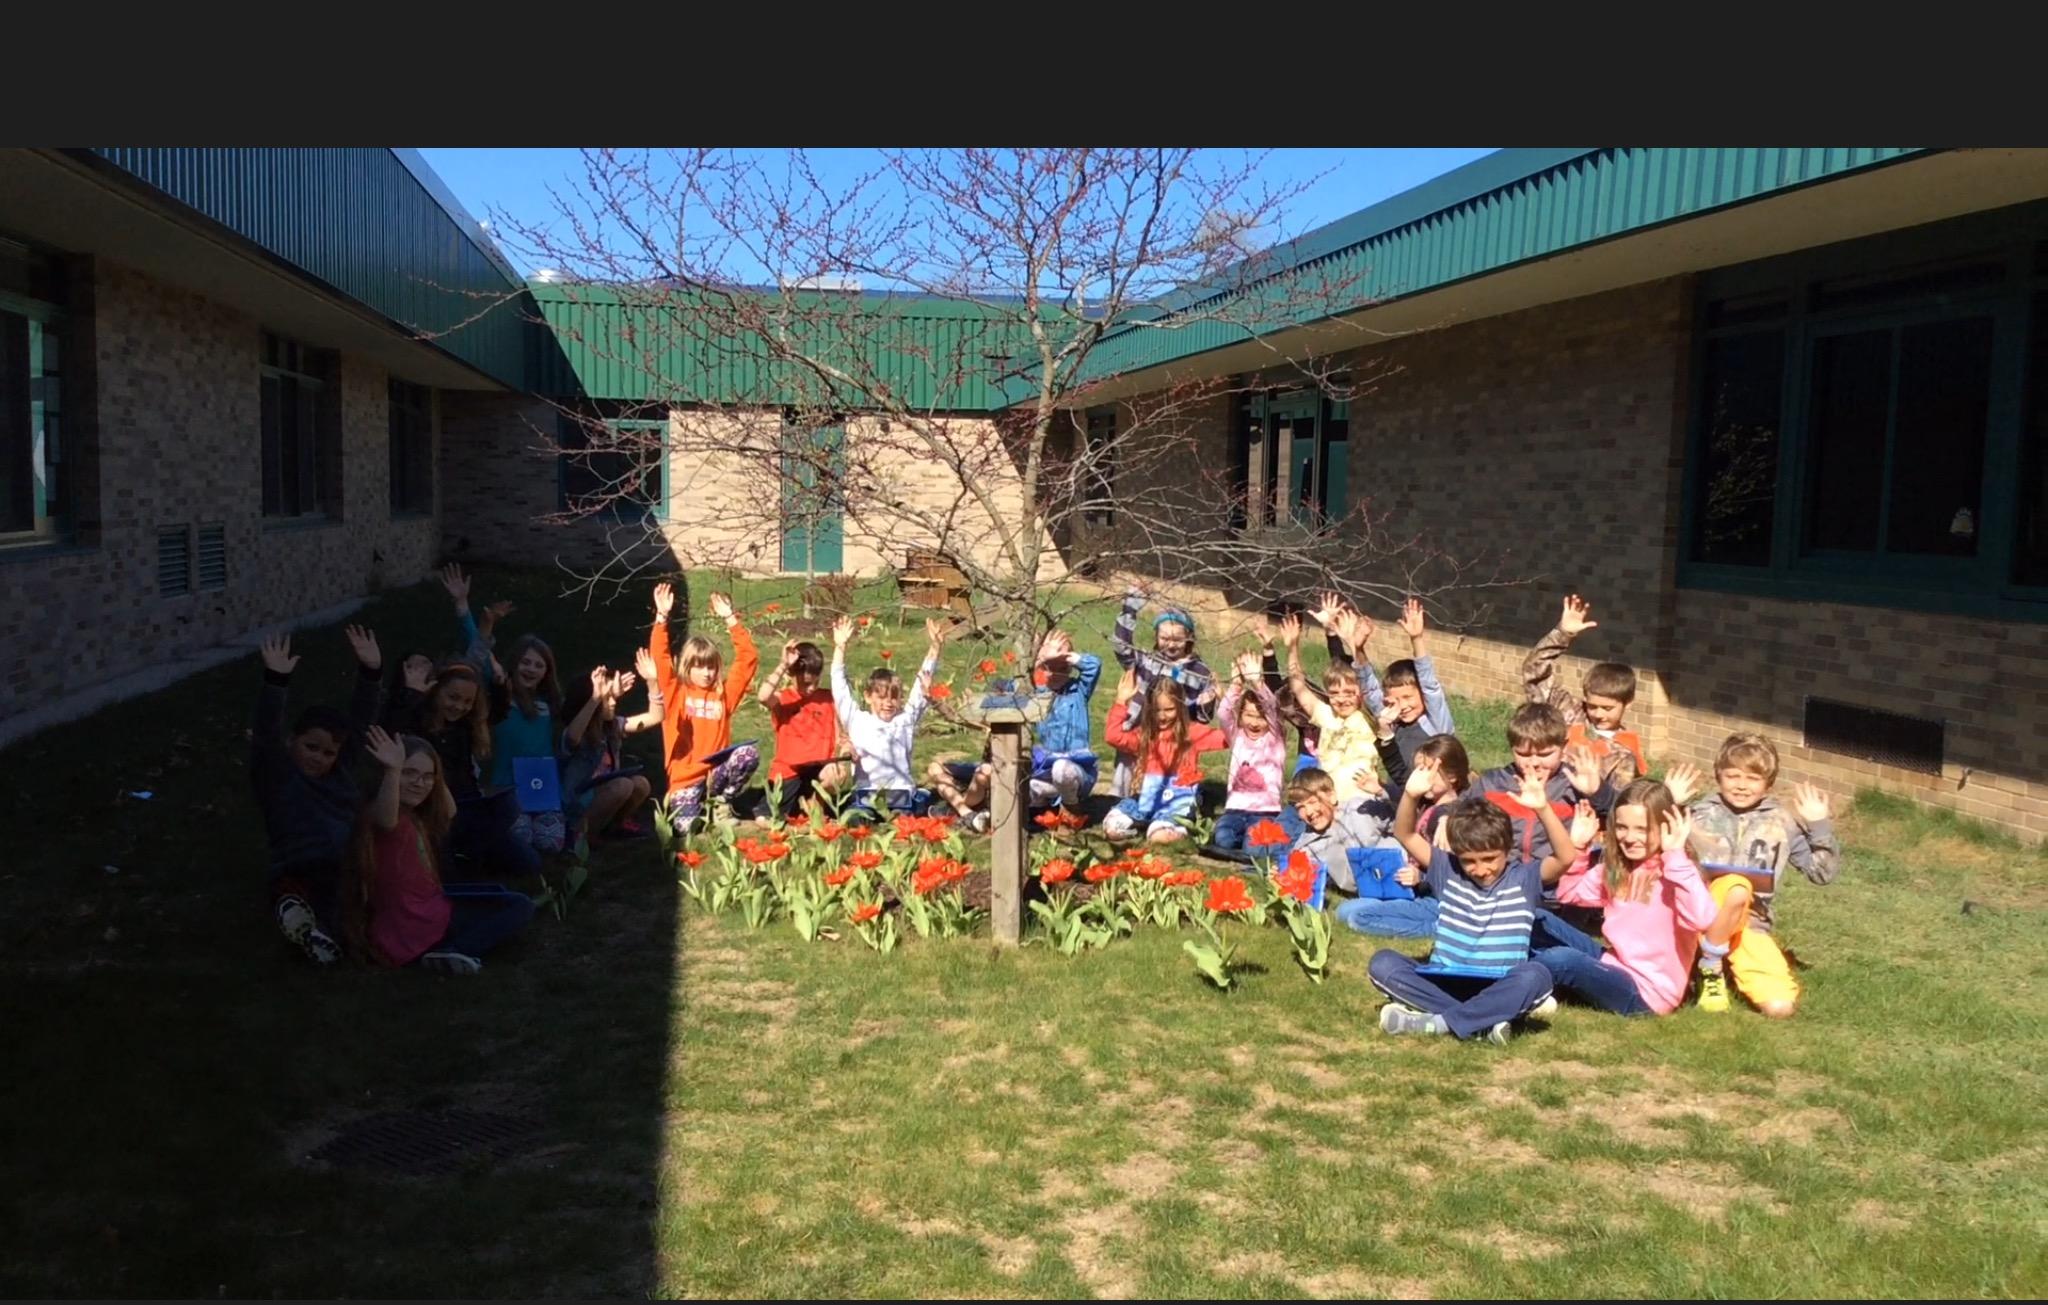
48, 515
1981, 585
658, 508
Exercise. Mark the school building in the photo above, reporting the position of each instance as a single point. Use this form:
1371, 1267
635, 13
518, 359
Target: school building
1780, 413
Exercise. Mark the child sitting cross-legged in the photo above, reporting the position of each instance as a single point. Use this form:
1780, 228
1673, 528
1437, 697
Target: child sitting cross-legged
883, 733
1248, 717
1479, 979
1168, 748
699, 700
806, 730
1652, 901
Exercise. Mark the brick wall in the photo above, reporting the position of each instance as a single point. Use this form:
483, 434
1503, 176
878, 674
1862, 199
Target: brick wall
179, 442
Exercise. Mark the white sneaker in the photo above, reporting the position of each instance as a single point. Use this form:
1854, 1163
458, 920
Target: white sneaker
1544, 1009
451, 963
1499, 1034
297, 922
979, 822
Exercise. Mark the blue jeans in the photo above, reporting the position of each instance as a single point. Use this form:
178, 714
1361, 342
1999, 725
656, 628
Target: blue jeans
1597, 984
1468, 1006
1232, 826
915, 801
481, 839
484, 919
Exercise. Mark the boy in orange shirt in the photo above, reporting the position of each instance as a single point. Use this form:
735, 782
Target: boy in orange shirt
1595, 716
698, 703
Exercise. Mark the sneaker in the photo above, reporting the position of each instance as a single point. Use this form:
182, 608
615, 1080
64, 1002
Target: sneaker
979, 822
721, 811
1398, 1019
1544, 1009
451, 963
1499, 1034
1713, 993
295, 919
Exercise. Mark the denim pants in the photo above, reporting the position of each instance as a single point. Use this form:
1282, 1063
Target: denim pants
1592, 981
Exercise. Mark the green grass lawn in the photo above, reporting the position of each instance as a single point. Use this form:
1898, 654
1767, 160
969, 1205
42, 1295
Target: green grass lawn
721, 1112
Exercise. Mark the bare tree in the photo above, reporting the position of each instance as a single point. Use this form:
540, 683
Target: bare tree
928, 356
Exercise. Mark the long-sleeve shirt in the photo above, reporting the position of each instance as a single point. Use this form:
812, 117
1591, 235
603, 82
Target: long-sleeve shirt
1192, 673
307, 820
1767, 837
1184, 769
1368, 825
1436, 707
1502, 786
697, 722
1258, 766
1654, 942
1620, 751
881, 748
1346, 746
1066, 728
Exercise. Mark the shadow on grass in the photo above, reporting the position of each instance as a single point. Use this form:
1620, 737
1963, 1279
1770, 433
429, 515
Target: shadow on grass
173, 1065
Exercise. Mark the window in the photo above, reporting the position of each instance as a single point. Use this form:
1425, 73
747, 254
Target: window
1870, 422
412, 449
301, 460
615, 466
1098, 472
34, 491
1290, 460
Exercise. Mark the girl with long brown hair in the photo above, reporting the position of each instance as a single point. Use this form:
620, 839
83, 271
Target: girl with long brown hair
1168, 747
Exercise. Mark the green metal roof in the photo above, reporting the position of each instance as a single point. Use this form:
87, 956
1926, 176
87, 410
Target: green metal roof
638, 344
367, 223
1507, 208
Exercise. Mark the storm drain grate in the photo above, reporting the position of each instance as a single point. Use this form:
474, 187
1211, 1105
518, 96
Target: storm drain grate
412, 1143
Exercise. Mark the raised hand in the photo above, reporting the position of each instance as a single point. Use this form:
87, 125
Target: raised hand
1810, 804
1368, 782
1249, 666
456, 583
622, 684
1355, 628
1682, 781
1585, 825
600, 681
364, 642
1677, 828
842, 632
1058, 647
1127, 685
1389, 717
721, 607
1262, 630
494, 613
1582, 768
385, 749
497, 670
664, 599
643, 662
1414, 622
277, 654
1532, 794
1573, 619
936, 629
1422, 776
1290, 630
1329, 606
789, 655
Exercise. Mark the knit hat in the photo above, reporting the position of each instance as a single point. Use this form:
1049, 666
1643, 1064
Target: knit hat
1178, 618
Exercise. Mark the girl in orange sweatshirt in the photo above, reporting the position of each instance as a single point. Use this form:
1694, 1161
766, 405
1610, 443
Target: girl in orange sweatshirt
699, 701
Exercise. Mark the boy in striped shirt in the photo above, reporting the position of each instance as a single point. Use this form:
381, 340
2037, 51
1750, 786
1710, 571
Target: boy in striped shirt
1479, 979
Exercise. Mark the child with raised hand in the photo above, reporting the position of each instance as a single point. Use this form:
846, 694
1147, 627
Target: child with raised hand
1421, 709
305, 787
1172, 656
1344, 743
806, 729
883, 733
1652, 902
1594, 716
593, 746
393, 905
1329, 831
1168, 748
1479, 979
699, 700
1063, 761
1250, 718
1568, 775
1744, 840
1276, 681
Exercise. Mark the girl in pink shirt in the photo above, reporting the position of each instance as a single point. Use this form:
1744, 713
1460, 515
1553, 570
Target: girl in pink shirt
395, 909
1654, 903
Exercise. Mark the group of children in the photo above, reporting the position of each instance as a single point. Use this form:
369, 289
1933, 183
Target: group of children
1518, 874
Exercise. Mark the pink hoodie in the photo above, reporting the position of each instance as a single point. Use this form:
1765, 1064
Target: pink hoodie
1257, 766
1653, 942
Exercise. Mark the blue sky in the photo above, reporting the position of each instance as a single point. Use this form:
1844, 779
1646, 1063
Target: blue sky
491, 182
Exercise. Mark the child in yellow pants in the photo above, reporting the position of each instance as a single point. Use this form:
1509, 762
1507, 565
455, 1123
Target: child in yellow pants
1753, 839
